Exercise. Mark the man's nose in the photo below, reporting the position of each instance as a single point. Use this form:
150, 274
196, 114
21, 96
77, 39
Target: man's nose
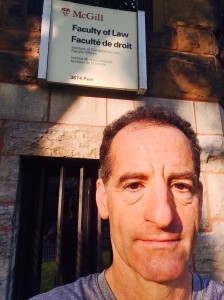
159, 205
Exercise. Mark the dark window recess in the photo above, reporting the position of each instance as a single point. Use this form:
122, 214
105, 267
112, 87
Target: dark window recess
35, 7
130, 5
61, 236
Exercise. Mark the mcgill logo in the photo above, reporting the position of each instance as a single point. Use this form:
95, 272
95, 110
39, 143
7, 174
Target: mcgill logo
65, 11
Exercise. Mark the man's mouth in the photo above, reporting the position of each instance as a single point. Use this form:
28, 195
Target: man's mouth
161, 243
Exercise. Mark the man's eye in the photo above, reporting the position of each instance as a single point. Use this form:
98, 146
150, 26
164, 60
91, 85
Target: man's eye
133, 186
182, 187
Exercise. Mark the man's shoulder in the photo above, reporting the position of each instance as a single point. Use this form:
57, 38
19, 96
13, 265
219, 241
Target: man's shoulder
207, 288
84, 288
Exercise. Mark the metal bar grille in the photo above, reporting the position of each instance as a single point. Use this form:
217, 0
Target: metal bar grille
59, 226
79, 248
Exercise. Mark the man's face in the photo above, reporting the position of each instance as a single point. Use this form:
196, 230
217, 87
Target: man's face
152, 201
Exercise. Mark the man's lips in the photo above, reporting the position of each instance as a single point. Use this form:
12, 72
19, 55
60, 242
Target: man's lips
166, 243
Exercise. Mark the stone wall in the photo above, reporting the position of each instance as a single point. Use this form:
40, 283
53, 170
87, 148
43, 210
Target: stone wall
185, 74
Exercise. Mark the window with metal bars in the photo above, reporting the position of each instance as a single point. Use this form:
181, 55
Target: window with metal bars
61, 236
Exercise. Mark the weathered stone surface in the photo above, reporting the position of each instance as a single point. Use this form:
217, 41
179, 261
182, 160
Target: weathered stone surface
10, 40
124, 106
209, 253
221, 107
197, 41
208, 118
23, 102
204, 223
67, 107
166, 38
4, 265
179, 75
9, 172
215, 194
183, 108
18, 68
5, 238
212, 158
14, 18
52, 140
195, 13
1, 134
3, 284
6, 214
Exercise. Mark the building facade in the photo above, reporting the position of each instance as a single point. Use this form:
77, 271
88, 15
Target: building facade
46, 130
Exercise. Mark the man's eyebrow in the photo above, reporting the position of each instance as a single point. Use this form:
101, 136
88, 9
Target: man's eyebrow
183, 175
131, 175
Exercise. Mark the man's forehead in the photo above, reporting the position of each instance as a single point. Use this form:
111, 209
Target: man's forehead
149, 137
135, 127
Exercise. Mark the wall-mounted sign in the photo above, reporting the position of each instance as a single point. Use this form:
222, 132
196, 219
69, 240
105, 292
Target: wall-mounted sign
90, 46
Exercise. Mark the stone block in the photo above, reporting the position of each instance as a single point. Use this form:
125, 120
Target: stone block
204, 222
212, 157
208, 118
3, 284
52, 140
209, 254
1, 134
13, 17
184, 76
5, 238
18, 68
6, 216
10, 40
165, 38
195, 13
9, 172
23, 102
215, 184
67, 107
184, 109
4, 266
124, 105
197, 41
221, 107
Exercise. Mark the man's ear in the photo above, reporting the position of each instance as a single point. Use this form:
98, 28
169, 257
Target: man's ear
200, 198
101, 199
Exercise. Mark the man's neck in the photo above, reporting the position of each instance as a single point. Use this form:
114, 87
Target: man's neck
131, 286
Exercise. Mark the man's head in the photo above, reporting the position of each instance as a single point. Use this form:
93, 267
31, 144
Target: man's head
150, 192
154, 115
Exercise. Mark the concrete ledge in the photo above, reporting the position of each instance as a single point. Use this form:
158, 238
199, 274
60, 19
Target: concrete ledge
52, 140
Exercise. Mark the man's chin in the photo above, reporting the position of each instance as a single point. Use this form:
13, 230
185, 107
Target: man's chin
163, 270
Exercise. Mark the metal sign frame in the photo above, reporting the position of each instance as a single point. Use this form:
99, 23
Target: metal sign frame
44, 48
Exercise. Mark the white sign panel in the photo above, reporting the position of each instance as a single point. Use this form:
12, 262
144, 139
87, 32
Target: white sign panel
93, 46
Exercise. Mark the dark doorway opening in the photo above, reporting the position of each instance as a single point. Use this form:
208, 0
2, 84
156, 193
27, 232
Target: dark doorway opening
61, 236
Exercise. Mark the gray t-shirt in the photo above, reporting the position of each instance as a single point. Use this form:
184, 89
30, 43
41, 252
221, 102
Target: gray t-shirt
95, 287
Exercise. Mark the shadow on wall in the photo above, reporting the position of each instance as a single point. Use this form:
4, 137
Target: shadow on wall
219, 33
193, 68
